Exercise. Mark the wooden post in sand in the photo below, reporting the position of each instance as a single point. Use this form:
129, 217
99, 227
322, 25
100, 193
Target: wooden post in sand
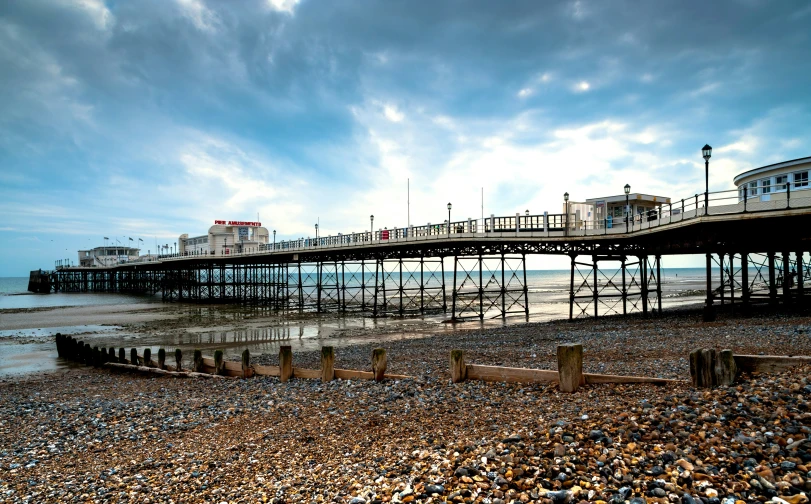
458, 369
111, 355
570, 367
725, 368
148, 357
198, 361
219, 363
709, 368
96, 357
161, 358
88, 355
246, 363
178, 359
122, 356
134, 357
327, 363
285, 363
379, 363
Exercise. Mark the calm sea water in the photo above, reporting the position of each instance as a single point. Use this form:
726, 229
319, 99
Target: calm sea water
32, 350
544, 286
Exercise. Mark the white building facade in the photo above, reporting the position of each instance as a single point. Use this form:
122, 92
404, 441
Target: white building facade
224, 238
776, 181
105, 257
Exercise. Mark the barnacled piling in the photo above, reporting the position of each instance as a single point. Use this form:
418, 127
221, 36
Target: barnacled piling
219, 363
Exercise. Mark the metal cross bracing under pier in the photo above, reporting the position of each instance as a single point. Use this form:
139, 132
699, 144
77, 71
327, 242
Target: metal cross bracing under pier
489, 286
615, 285
771, 277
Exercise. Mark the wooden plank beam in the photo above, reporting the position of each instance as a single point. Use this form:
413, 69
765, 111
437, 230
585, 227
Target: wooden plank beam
260, 370
509, 374
603, 378
769, 363
306, 373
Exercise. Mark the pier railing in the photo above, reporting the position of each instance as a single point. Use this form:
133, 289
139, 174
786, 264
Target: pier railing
730, 202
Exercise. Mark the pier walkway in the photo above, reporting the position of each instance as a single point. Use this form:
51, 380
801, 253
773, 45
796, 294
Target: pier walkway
759, 246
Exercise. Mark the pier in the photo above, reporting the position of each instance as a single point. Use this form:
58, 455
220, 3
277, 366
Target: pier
757, 247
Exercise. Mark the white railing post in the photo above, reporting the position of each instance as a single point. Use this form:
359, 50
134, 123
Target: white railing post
517, 225
469, 228
546, 221
492, 223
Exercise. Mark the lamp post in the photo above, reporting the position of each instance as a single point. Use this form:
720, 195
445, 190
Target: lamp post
449, 218
709, 309
274, 239
566, 200
316, 234
372, 225
627, 205
706, 151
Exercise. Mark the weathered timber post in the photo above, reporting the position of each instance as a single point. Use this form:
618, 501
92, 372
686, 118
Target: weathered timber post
178, 359
570, 367
111, 355
96, 359
60, 351
88, 355
219, 363
458, 368
102, 356
198, 361
148, 357
327, 363
379, 363
246, 363
122, 356
725, 368
161, 358
134, 357
285, 363
709, 368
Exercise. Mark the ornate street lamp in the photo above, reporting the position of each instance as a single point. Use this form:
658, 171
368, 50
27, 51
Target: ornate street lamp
372, 227
449, 216
706, 152
274, 239
627, 205
316, 234
566, 200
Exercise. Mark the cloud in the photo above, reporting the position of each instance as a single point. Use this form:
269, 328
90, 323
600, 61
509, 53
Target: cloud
153, 118
392, 113
203, 18
287, 6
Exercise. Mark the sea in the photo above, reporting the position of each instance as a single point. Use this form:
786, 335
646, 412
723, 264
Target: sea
31, 350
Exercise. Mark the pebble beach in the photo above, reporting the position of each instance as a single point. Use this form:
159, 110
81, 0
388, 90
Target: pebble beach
89, 435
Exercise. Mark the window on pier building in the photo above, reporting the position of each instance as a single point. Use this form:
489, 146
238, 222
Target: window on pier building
752, 188
766, 185
801, 179
780, 182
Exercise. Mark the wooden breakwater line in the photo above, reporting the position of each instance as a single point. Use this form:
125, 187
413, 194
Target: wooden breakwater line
206, 367
708, 367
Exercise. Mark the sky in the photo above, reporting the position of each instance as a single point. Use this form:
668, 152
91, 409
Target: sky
152, 118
